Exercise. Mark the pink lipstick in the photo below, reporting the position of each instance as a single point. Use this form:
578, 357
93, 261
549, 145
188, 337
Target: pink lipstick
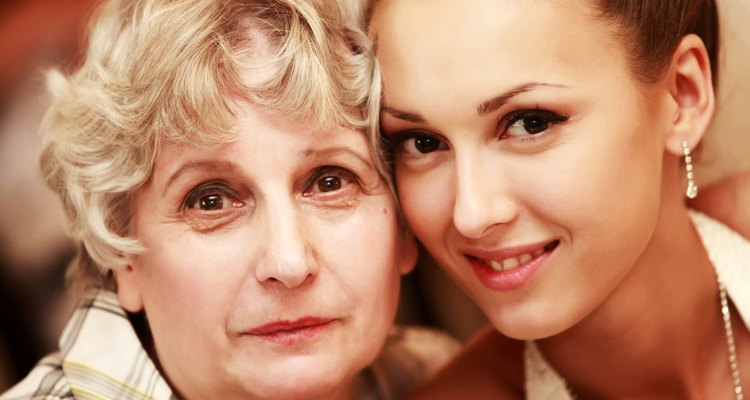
510, 268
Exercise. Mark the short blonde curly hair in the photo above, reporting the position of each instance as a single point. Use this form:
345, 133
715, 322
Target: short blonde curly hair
168, 70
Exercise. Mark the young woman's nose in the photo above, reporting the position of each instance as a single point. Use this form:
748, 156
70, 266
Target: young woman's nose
288, 257
482, 198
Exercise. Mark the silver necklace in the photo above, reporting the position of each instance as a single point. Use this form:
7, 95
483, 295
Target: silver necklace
733, 365
733, 362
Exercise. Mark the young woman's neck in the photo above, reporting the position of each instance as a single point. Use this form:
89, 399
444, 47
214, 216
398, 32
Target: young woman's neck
658, 333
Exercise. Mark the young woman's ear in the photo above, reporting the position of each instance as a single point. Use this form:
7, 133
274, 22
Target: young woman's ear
691, 88
128, 287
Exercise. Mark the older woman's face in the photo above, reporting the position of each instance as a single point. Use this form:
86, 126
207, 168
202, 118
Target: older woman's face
273, 263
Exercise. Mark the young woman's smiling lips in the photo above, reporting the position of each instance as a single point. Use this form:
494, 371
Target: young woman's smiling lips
509, 268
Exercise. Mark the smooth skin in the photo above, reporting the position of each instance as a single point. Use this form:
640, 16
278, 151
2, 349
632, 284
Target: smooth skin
520, 125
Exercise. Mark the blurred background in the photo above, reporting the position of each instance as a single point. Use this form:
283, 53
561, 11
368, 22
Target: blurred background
34, 35
38, 34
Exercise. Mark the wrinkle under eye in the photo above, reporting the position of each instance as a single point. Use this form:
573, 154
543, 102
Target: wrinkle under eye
214, 205
332, 186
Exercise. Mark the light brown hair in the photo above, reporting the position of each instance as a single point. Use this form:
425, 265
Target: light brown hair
652, 29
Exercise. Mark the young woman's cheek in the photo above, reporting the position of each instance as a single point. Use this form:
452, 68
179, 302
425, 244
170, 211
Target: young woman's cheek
426, 198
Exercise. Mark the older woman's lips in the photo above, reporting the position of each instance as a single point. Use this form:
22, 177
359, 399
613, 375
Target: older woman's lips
290, 333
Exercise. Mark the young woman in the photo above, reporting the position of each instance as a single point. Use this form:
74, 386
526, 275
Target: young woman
235, 235
542, 154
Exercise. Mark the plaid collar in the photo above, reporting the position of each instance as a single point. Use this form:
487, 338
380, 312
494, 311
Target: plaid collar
102, 356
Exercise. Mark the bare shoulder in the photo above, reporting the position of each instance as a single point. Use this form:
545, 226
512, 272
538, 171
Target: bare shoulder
728, 201
489, 367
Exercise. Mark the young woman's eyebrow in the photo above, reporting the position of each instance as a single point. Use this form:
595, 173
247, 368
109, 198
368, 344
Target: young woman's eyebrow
483, 108
493, 104
406, 116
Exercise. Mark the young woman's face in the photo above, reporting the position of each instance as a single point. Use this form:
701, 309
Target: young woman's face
527, 158
273, 263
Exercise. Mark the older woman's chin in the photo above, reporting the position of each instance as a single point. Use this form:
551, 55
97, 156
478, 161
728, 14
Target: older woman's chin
325, 367
301, 377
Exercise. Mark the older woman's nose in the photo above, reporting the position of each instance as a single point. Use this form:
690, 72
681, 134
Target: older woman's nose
482, 198
288, 258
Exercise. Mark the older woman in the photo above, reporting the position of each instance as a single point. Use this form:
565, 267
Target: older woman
236, 238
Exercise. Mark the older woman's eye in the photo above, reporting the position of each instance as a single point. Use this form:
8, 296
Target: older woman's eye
329, 184
212, 206
214, 197
211, 202
329, 180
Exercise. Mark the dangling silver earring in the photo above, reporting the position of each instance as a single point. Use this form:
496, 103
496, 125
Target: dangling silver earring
692, 189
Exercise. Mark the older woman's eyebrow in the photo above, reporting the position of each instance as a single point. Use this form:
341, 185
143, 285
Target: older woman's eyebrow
327, 152
490, 105
201, 165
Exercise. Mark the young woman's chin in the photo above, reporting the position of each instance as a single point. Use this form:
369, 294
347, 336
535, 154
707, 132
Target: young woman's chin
533, 321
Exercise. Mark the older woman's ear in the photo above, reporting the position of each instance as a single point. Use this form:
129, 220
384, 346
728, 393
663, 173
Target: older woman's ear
128, 288
691, 89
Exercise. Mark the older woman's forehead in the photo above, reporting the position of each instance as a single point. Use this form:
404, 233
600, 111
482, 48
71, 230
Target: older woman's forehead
261, 126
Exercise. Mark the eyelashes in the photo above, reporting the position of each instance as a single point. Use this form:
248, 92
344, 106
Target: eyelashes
216, 203
211, 197
218, 195
415, 142
328, 179
213, 205
524, 124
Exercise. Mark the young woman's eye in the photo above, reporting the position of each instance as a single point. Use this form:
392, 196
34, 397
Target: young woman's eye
328, 180
531, 122
418, 144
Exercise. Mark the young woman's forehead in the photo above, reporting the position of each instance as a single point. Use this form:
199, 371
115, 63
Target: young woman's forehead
496, 48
